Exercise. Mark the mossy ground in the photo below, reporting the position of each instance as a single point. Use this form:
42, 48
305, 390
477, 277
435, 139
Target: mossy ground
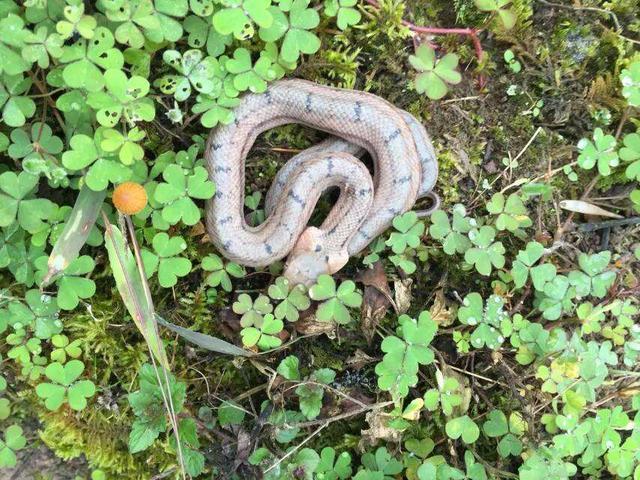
569, 62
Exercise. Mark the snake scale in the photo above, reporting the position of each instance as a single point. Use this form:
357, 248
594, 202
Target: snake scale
405, 169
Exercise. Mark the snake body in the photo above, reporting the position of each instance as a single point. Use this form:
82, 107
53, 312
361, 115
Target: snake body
405, 169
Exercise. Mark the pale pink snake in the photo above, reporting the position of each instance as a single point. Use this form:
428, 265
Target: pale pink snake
405, 169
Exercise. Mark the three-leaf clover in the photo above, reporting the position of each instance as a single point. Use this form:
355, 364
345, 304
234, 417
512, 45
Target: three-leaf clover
76, 21
593, 278
398, 369
252, 311
238, 15
434, 73
630, 79
102, 167
66, 386
600, 151
12, 37
334, 300
345, 11
295, 29
409, 230
177, 190
215, 110
509, 430
37, 150
125, 97
501, 7
462, 427
523, 267
332, 466
264, 337
72, 282
512, 214
166, 260
310, 394
15, 203
293, 299
489, 319
64, 348
221, 272
485, 253
85, 58
556, 297
452, 234
40, 313
16, 106
445, 395
630, 153
13, 441
250, 76
203, 73
40, 45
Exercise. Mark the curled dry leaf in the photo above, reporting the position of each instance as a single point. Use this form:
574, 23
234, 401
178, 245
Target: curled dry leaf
440, 311
376, 300
402, 293
379, 429
580, 206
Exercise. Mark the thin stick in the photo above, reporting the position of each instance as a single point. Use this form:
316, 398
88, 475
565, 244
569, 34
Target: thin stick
296, 448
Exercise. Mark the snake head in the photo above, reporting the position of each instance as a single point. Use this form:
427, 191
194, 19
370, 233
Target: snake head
309, 259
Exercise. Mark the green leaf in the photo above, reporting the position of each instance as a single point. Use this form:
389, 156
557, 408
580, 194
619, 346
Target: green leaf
600, 151
434, 73
462, 427
334, 301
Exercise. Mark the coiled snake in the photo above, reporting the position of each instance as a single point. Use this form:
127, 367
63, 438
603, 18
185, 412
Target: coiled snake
405, 169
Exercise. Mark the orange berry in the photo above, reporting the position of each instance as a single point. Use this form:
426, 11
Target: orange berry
129, 198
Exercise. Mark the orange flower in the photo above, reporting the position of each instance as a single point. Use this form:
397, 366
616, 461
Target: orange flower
129, 198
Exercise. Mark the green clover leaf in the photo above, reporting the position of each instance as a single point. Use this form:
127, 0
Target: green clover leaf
41, 45
523, 267
630, 79
485, 253
253, 77
602, 151
293, 299
630, 153
76, 22
24, 347
344, 10
16, 107
252, 312
295, 29
512, 214
501, 7
263, 337
398, 369
490, 320
592, 279
497, 425
410, 229
13, 441
332, 466
84, 59
132, 18
40, 313
178, 189
434, 74
103, 167
125, 97
15, 203
12, 38
36, 145
334, 300
202, 32
72, 283
125, 145
238, 16
203, 73
452, 235
462, 427
166, 260
221, 273
381, 462
215, 110
556, 297
64, 348
65, 386
446, 395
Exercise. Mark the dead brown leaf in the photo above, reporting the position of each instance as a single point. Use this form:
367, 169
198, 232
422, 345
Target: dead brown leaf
378, 430
376, 300
402, 290
359, 359
441, 313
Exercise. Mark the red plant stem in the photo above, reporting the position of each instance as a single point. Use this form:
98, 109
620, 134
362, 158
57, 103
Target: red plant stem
470, 32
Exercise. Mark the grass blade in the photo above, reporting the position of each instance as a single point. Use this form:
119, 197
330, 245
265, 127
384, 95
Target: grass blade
205, 341
76, 230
